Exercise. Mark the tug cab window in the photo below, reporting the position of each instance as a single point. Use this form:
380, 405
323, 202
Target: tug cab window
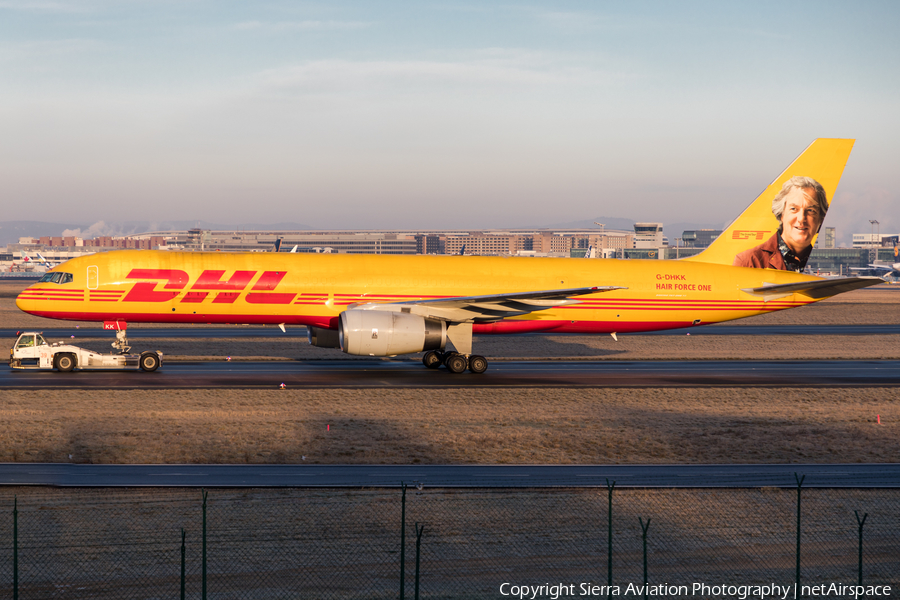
57, 277
26, 341
30, 341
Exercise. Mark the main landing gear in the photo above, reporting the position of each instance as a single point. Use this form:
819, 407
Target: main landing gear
455, 362
460, 335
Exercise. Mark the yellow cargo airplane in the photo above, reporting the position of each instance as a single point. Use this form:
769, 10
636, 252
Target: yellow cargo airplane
377, 305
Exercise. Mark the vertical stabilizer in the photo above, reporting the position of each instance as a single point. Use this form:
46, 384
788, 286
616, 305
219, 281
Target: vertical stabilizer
823, 160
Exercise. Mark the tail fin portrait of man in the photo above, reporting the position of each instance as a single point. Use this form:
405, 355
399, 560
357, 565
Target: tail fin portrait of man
779, 229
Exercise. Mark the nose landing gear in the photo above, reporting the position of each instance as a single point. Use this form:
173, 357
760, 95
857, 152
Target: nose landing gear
121, 343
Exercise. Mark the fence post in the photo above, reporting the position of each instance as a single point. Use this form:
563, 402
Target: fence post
15, 548
204, 493
402, 541
182, 563
419, 532
644, 529
799, 481
860, 523
609, 555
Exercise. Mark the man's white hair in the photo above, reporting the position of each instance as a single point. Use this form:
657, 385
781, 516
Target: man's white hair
800, 182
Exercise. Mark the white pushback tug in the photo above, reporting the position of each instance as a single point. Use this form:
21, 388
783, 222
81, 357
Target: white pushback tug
32, 351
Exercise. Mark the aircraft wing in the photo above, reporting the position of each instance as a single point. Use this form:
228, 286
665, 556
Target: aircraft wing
822, 288
484, 309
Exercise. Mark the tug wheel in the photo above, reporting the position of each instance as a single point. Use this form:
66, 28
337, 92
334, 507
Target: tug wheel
65, 362
149, 361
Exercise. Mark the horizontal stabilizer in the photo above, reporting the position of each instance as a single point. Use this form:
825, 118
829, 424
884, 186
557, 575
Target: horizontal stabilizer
815, 289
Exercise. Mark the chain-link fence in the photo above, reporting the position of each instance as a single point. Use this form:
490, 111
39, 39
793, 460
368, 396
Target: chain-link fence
346, 543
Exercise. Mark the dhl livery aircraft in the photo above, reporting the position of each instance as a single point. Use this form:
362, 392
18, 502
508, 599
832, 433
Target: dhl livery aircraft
380, 305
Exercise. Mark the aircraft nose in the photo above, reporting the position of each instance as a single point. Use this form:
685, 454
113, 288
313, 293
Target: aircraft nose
25, 301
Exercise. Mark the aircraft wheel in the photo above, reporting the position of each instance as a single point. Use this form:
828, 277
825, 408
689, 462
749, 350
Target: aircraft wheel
457, 363
478, 364
432, 359
65, 362
149, 361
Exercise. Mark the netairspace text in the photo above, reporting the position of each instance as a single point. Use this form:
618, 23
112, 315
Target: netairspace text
554, 591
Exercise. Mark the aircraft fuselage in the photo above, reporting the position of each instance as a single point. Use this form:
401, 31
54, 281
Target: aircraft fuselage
313, 289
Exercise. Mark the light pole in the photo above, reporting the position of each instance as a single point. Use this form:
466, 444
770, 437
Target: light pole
873, 252
602, 234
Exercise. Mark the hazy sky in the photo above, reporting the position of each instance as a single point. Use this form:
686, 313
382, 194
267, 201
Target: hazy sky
439, 114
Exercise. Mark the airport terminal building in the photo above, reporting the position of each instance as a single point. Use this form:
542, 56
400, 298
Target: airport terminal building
645, 242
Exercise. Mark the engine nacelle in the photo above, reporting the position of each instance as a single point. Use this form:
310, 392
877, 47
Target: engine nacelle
387, 333
323, 338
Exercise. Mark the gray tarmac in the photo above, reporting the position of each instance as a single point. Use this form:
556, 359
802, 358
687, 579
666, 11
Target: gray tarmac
454, 476
386, 373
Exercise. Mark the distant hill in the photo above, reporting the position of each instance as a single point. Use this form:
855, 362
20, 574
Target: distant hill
671, 230
608, 222
144, 226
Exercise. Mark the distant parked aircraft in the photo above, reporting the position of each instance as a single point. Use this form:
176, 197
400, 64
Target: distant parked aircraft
38, 266
879, 270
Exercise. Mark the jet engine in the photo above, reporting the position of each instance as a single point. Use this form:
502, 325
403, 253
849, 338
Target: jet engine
323, 338
387, 333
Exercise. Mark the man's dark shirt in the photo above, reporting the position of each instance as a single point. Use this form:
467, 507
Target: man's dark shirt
793, 262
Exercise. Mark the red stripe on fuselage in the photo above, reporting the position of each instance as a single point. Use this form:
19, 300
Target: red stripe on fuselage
502, 327
317, 321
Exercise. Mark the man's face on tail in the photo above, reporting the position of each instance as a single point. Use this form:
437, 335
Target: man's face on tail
801, 218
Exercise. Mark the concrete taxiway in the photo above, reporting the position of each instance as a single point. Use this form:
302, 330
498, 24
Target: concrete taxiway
388, 373
464, 476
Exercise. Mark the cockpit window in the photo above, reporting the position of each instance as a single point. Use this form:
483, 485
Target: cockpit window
57, 277
26, 341
40, 341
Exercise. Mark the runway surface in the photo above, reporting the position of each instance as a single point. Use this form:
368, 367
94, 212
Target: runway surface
443, 476
405, 373
274, 332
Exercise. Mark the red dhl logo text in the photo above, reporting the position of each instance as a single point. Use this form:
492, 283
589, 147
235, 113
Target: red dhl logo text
743, 234
175, 281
